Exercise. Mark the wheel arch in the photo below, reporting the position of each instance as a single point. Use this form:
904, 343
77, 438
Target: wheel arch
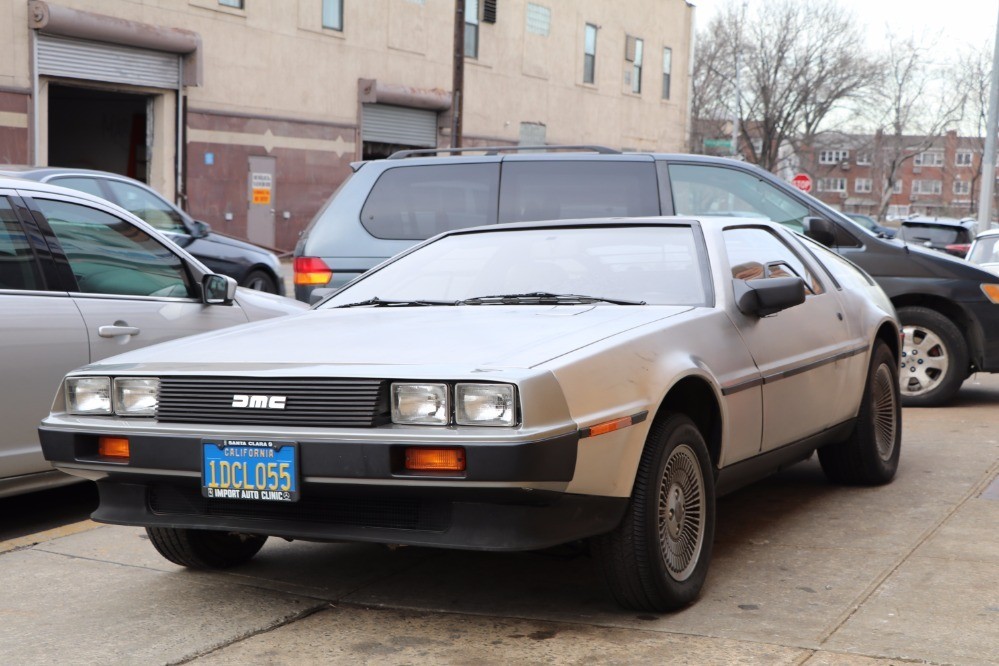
697, 398
888, 333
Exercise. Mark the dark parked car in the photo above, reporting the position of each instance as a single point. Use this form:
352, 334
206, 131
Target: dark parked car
939, 233
948, 307
251, 266
871, 224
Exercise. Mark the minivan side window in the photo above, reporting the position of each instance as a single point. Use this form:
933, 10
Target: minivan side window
110, 256
18, 269
720, 191
417, 202
566, 190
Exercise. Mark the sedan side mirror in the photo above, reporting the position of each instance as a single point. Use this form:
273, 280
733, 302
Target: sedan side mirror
768, 296
217, 290
820, 230
200, 229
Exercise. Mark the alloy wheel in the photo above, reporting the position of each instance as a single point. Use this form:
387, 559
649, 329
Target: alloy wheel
924, 361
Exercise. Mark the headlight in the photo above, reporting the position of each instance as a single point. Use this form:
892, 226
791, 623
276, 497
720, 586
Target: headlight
136, 396
88, 395
424, 404
485, 404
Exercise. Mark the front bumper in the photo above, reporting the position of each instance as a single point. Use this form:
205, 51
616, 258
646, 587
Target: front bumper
509, 498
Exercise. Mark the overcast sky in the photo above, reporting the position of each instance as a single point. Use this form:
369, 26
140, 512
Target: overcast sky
949, 23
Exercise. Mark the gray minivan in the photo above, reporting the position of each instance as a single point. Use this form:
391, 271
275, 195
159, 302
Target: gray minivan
949, 308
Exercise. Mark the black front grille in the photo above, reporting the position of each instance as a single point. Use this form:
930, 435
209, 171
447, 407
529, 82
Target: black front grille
393, 513
352, 403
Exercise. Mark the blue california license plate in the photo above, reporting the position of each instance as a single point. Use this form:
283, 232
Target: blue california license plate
248, 469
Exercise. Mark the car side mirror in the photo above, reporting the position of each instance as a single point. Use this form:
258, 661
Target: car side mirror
319, 294
200, 229
768, 296
821, 230
217, 290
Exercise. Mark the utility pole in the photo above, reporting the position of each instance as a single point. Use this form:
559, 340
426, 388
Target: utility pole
458, 72
989, 158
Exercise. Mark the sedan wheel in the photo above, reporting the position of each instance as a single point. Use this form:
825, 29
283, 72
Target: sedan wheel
260, 281
204, 549
657, 557
870, 455
934, 360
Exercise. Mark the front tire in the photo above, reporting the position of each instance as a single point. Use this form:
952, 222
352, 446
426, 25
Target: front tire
934, 358
657, 558
869, 457
259, 280
205, 549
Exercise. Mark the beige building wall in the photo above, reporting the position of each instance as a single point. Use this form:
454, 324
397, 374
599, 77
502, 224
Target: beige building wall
274, 82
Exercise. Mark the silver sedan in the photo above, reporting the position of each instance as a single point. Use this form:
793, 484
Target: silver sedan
506, 388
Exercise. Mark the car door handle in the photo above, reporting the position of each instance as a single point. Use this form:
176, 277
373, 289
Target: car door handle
116, 330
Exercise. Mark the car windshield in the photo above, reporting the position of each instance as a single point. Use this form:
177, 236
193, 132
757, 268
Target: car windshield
932, 233
985, 251
653, 264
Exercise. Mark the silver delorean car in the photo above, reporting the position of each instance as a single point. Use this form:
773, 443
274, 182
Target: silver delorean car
509, 387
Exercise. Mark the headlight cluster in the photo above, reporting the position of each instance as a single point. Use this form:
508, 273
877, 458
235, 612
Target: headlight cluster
124, 396
474, 404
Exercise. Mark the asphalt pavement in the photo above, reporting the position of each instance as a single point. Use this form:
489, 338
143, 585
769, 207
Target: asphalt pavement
804, 572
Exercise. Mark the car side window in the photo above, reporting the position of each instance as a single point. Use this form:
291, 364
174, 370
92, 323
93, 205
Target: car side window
755, 253
577, 189
843, 271
111, 256
18, 269
417, 202
146, 206
720, 191
88, 185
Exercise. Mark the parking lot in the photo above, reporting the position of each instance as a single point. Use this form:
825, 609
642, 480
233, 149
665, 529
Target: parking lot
803, 573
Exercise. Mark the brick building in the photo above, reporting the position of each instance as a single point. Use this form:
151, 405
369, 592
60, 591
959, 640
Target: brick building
211, 100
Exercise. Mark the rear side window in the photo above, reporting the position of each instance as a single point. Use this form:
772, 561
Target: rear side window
553, 190
17, 264
417, 202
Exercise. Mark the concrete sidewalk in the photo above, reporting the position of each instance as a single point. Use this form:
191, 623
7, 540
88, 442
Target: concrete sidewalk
803, 573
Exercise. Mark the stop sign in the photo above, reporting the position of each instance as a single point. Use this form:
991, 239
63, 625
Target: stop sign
802, 181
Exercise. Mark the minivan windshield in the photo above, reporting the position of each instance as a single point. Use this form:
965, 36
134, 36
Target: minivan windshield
632, 264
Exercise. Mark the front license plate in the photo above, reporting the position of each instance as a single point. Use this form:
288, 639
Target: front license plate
247, 469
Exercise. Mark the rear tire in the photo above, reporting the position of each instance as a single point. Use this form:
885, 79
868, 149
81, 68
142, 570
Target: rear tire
657, 558
934, 358
869, 457
205, 549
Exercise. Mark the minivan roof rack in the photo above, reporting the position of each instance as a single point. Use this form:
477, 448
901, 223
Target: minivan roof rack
495, 150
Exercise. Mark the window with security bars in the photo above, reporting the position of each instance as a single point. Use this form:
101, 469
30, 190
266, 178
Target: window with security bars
590, 54
667, 70
539, 19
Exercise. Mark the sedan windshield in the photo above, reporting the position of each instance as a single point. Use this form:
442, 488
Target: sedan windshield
656, 265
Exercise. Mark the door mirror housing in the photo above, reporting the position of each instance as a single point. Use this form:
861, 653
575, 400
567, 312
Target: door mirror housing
821, 230
769, 296
217, 289
200, 229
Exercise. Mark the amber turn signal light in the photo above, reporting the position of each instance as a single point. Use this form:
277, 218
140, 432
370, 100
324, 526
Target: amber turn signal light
113, 447
419, 459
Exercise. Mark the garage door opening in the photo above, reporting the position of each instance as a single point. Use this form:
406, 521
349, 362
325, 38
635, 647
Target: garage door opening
99, 129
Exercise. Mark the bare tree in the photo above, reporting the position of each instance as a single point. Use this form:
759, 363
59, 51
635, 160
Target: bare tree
799, 63
972, 74
911, 109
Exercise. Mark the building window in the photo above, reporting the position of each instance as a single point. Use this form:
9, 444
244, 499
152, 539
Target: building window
333, 14
832, 184
863, 159
235, 4
929, 158
590, 54
927, 186
862, 185
667, 70
962, 187
539, 19
963, 158
898, 211
833, 156
471, 28
633, 53
897, 187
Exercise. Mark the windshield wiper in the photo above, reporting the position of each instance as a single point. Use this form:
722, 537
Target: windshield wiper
544, 298
377, 302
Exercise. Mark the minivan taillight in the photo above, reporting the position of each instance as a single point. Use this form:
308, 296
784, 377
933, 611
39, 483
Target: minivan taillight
312, 271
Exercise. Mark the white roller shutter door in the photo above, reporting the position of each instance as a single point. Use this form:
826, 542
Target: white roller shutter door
99, 61
384, 123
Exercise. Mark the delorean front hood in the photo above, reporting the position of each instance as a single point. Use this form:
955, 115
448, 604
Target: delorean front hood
456, 337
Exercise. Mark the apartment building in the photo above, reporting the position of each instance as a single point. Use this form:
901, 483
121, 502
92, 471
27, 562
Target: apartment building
249, 112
